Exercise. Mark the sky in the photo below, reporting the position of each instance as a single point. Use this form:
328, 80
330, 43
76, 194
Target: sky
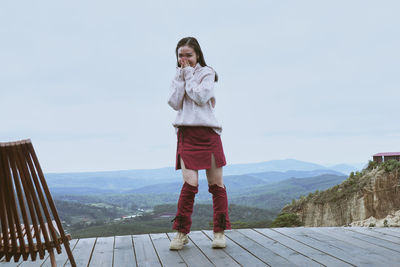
88, 81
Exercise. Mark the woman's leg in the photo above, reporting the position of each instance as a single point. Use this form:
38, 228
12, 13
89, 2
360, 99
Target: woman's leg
183, 220
220, 199
189, 176
214, 174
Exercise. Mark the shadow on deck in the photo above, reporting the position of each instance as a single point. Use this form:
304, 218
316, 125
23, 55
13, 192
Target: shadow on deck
322, 246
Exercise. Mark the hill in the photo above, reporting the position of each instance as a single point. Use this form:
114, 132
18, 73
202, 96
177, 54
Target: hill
94, 224
127, 181
100, 213
82, 211
372, 193
275, 196
237, 182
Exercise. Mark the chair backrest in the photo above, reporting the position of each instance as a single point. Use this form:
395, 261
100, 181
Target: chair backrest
27, 210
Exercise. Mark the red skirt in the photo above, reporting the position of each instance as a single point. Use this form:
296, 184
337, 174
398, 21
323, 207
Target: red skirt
195, 146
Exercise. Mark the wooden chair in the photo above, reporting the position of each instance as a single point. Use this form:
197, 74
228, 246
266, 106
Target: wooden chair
28, 217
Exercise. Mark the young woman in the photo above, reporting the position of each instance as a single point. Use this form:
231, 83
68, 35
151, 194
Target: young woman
199, 144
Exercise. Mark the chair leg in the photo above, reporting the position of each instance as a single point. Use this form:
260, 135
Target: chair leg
52, 258
69, 253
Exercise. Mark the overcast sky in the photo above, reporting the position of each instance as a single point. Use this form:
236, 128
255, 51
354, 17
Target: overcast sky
88, 81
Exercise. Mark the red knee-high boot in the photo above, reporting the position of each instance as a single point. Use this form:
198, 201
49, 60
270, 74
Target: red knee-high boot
183, 218
220, 206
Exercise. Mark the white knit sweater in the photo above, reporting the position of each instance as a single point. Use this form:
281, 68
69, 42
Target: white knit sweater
192, 95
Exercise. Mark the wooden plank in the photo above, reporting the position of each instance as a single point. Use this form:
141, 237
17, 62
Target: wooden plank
311, 252
390, 231
371, 239
262, 253
166, 256
37, 263
20, 262
62, 258
375, 251
259, 247
242, 256
336, 248
124, 254
291, 255
103, 252
191, 254
369, 232
83, 251
29, 263
144, 251
218, 257
3, 263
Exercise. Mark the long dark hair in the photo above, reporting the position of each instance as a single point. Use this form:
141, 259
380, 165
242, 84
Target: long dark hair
193, 43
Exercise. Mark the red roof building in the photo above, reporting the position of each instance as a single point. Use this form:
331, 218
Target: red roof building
385, 156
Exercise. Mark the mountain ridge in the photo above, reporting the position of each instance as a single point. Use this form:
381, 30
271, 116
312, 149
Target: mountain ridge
125, 180
373, 192
237, 168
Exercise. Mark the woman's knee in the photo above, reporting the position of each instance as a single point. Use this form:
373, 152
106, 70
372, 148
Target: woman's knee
192, 182
214, 176
190, 176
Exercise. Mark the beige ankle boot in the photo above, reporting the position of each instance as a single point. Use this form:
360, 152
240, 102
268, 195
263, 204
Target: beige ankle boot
219, 240
178, 242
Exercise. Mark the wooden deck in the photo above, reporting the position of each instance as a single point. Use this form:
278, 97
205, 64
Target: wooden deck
325, 246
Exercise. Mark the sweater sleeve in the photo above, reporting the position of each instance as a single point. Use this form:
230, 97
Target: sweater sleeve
177, 90
200, 91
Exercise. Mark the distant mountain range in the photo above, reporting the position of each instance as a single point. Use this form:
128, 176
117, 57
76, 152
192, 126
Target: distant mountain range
274, 196
347, 169
243, 190
238, 183
263, 190
166, 180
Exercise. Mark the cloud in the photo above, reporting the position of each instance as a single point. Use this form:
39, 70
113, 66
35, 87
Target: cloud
301, 80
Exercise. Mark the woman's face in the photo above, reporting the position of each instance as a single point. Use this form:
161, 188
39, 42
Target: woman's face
186, 52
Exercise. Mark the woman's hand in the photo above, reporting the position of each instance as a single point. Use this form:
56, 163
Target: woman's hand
184, 62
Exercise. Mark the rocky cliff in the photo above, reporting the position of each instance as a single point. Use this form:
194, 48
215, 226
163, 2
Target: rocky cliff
373, 192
